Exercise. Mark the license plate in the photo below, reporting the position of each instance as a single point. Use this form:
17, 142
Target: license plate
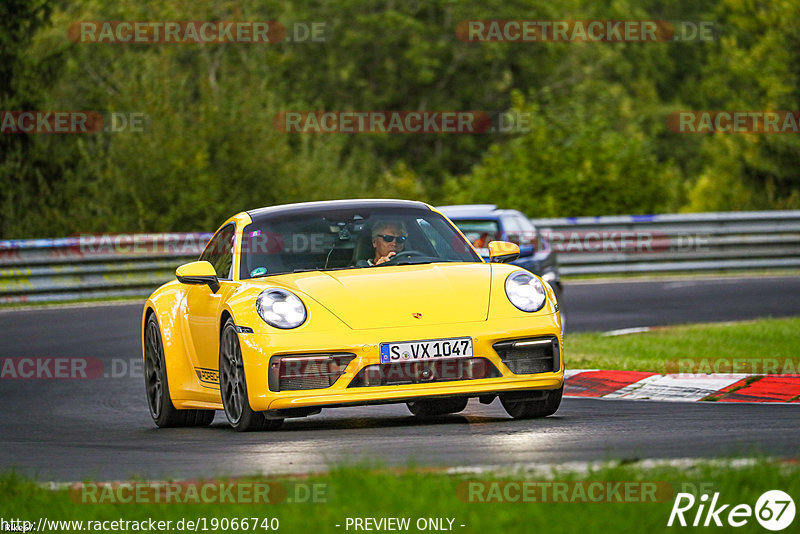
431, 349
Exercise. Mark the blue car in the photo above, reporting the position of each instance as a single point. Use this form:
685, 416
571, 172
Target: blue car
482, 223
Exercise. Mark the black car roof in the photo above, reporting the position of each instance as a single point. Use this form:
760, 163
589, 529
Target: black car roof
299, 208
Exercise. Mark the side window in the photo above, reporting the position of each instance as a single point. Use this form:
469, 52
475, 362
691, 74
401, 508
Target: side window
219, 251
437, 241
446, 244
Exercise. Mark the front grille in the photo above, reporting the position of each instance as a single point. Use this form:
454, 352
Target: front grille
530, 356
443, 370
291, 372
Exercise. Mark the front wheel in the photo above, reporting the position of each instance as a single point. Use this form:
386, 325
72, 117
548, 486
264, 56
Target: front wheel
530, 409
429, 408
233, 387
162, 410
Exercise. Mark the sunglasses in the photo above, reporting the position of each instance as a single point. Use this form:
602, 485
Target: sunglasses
390, 238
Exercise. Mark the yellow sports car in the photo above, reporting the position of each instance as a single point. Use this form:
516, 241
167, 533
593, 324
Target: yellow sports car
295, 308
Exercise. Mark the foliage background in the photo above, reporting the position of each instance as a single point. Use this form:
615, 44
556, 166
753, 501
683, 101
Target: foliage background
598, 143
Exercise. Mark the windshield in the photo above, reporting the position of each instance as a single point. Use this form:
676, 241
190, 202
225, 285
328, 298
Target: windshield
347, 239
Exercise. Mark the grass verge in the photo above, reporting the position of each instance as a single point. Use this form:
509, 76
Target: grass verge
588, 502
660, 349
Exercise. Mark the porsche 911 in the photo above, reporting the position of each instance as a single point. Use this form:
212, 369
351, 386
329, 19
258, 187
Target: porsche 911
295, 308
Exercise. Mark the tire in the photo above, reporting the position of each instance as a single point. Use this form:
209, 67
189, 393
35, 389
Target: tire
430, 408
156, 384
233, 386
530, 409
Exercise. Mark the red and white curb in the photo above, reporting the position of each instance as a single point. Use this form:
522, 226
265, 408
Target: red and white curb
684, 387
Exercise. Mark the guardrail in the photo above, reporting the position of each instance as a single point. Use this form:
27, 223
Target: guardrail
762, 240
93, 266
110, 266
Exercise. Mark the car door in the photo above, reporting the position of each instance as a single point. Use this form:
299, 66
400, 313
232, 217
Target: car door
203, 307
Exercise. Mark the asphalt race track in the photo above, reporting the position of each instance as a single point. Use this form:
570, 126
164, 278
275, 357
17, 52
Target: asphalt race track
592, 307
100, 428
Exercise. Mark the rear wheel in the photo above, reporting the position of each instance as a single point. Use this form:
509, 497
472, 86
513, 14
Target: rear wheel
233, 386
162, 410
530, 409
429, 408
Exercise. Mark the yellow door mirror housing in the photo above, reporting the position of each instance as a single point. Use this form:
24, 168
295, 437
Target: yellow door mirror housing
198, 273
503, 251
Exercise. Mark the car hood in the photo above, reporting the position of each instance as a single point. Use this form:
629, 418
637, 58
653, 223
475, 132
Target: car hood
407, 295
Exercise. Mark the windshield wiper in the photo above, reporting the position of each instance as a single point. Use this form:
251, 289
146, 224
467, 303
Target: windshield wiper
407, 263
320, 269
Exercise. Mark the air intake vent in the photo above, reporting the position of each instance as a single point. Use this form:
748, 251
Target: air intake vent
292, 372
530, 356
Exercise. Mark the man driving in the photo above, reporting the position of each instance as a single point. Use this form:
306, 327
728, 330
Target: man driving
388, 238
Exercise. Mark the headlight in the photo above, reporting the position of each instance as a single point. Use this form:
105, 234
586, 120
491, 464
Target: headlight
525, 291
281, 308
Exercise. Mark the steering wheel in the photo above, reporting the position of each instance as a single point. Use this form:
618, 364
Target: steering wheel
406, 254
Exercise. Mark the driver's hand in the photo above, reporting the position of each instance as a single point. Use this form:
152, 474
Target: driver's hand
384, 259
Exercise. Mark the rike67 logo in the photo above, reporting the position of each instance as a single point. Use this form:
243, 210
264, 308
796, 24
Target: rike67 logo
774, 510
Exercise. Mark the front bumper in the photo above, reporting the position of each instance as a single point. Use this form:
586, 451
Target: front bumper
258, 348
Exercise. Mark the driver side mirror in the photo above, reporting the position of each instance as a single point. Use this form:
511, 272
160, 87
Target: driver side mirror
198, 273
503, 252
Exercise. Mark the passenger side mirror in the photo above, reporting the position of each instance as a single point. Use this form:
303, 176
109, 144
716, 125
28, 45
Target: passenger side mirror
503, 251
198, 273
